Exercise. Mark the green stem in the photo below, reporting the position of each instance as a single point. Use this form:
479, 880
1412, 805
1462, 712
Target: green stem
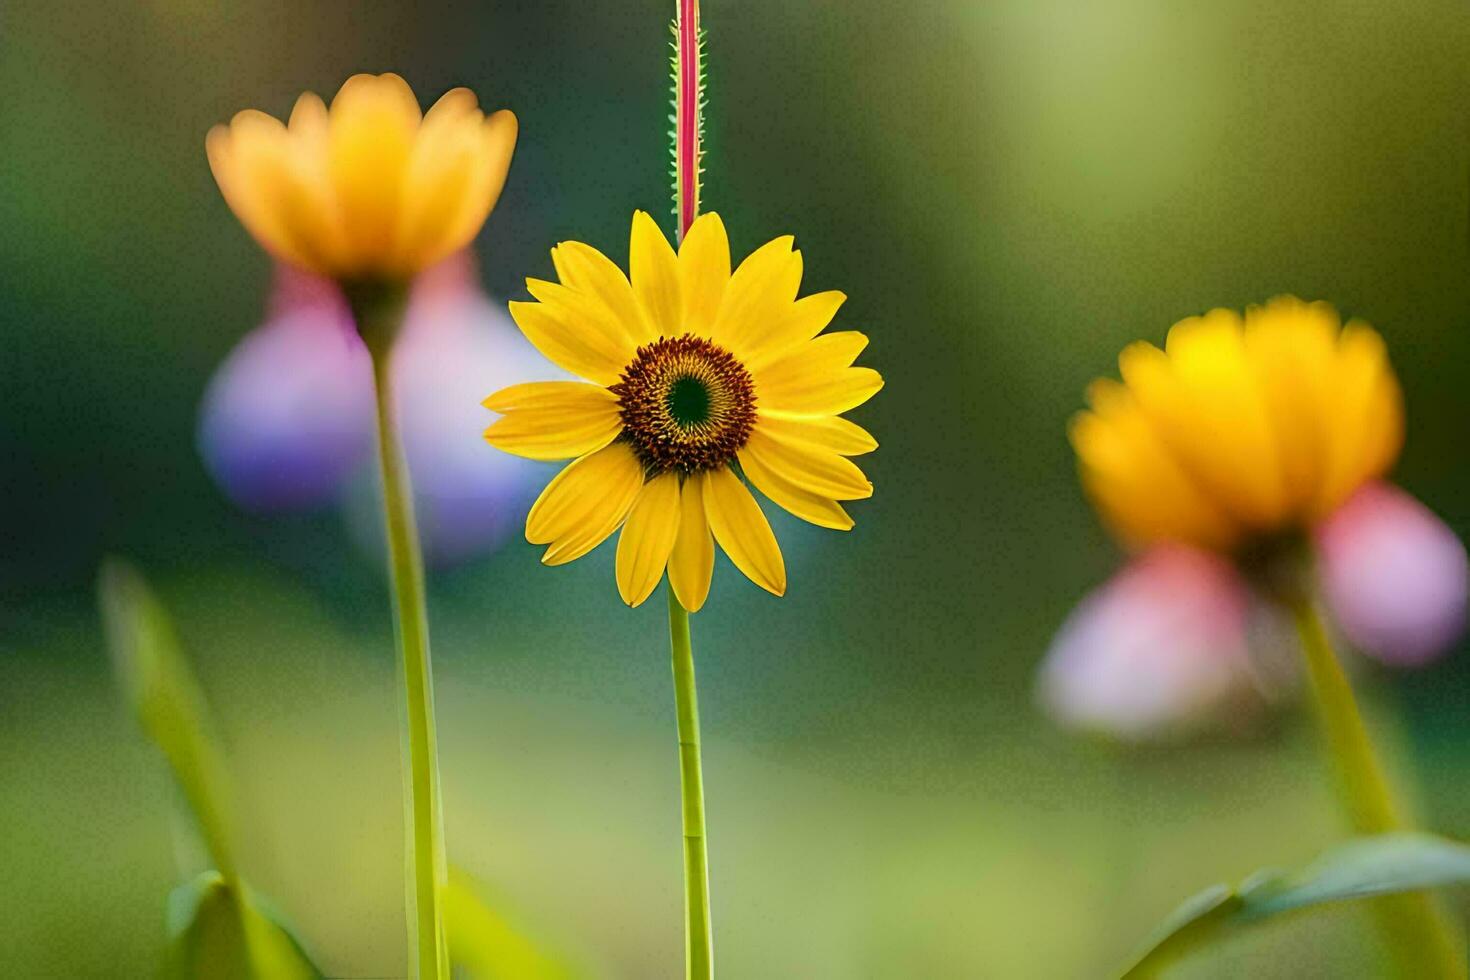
1420, 936
379, 317
698, 951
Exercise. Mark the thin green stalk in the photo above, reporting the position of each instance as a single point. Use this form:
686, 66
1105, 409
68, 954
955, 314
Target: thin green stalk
698, 945
1420, 936
380, 315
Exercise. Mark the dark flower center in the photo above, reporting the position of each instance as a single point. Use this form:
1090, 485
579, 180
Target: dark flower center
687, 404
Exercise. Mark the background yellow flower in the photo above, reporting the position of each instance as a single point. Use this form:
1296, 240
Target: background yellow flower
1240, 426
372, 189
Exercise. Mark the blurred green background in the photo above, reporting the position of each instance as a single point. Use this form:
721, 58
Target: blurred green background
1008, 192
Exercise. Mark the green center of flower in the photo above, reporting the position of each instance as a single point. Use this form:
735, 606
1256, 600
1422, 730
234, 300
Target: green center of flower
687, 404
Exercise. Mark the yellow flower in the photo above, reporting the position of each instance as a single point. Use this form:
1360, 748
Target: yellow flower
690, 370
1240, 429
373, 190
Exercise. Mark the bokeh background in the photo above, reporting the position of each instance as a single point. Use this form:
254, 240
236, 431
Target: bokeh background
1008, 192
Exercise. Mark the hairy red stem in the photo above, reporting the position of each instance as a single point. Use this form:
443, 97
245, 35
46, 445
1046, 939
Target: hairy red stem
687, 121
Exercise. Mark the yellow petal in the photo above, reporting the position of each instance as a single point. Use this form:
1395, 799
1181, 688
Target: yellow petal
1204, 401
743, 531
819, 510
692, 561
811, 362
496, 137
815, 470
553, 419
798, 322
648, 538
455, 173
1135, 481
610, 337
586, 270
654, 270
440, 166
830, 394
827, 431
759, 293
1366, 429
284, 211
316, 210
585, 503
566, 342
1292, 346
374, 120
704, 271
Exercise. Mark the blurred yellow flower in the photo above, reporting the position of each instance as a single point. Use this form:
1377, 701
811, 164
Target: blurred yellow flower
1241, 428
372, 190
690, 370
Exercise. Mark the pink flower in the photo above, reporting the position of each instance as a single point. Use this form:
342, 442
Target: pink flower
288, 420
1177, 641
1394, 576
1161, 648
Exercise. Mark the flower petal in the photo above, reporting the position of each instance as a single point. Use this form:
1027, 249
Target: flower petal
821, 511
704, 271
454, 177
648, 537
374, 121
831, 394
743, 531
1366, 431
692, 561
811, 363
1205, 401
585, 503
654, 270
567, 343
553, 419
586, 270
612, 339
266, 187
1292, 346
798, 322
1159, 649
759, 293
1135, 482
827, 431
1394, 575
288, 416
814, 469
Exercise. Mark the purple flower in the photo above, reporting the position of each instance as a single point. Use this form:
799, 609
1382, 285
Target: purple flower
288, 421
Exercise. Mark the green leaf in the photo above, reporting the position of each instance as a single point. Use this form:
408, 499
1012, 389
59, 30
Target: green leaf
1366, 867
159, 687
486, 945
217, 927
216, 932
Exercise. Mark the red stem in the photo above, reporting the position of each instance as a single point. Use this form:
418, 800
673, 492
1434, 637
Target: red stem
687, 125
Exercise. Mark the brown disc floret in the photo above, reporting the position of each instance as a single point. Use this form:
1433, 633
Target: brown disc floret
687, 404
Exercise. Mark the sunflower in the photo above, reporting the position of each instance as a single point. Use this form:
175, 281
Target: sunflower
373, 190
1242, 430
695, 375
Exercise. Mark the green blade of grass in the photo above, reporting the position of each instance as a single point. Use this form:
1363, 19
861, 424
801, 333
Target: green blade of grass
220, 933
486, 945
